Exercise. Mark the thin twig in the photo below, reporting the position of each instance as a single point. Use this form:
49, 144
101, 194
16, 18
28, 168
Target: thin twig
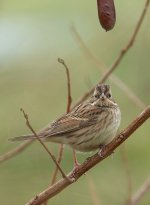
93, 190
128, 173
60, 154
113, 78
92, 161
15, 151
42, 143
69, 101
68, 84
141, 192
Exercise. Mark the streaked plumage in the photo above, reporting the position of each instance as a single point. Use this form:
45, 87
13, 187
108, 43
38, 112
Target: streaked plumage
88, 126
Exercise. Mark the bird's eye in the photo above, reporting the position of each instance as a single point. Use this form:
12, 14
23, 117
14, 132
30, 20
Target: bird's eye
109, 95
96, 96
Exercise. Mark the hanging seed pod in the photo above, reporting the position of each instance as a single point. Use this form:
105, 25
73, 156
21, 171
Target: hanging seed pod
106, 13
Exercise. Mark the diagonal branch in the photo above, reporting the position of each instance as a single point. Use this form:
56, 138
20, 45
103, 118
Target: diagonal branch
127, 170
113, 78
141, 192
130, 43
59, 159
15, 151
42, 143
92, 161
93, 191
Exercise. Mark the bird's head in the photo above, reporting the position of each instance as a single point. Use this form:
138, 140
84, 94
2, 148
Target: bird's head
102, 96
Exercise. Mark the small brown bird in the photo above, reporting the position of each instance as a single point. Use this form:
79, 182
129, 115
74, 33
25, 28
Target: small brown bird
89, 126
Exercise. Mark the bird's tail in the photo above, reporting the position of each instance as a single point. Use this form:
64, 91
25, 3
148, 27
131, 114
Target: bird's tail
23, 137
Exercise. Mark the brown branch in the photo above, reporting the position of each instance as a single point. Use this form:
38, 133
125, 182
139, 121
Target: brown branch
68, 83
15, 151
93, 190
122, 53
140, 192
113, 78
59, 159
42, 143
128, 173
92, 161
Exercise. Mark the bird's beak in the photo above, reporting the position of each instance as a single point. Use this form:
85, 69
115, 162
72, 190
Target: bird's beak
102, 97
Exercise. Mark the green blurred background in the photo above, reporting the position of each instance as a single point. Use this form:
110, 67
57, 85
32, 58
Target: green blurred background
33, 34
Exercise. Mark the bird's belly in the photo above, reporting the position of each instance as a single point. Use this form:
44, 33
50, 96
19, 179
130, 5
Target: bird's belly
96, 137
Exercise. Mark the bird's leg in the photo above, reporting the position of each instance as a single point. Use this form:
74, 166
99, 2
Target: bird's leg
101, 147
76, 163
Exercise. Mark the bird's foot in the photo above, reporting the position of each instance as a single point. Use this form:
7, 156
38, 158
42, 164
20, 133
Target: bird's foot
101, 149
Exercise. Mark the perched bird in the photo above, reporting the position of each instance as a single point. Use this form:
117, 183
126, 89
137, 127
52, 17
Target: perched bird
88, 126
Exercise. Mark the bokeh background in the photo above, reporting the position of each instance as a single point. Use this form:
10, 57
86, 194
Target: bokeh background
33, 34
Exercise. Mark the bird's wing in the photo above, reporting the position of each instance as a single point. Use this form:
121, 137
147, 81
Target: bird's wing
65, 125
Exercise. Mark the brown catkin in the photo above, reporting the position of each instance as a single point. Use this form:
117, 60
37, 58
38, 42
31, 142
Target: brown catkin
106, 13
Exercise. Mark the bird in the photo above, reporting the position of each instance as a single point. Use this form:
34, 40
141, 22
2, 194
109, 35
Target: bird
87, 127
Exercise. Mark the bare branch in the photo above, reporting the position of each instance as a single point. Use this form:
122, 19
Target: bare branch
60, 154
68, 83
93, 190
15, 151
113, 78
42, 143
121, 55
59, 159
128, 173
92, 161
141, 192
